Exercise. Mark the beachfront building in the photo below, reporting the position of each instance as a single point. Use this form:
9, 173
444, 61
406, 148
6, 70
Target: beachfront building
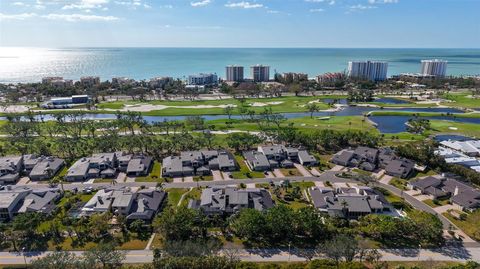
230, 200
122, 81
198, 163
434, 67
291, 77
234, 73
57, 82
89, 81
203, 79
370, 70
42, 167
17, 200
349, 202
48, 80
260, 73
66, 102
159, 82
330, 77
10, 169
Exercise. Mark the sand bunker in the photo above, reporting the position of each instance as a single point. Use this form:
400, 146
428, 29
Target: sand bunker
265, 104
149, 107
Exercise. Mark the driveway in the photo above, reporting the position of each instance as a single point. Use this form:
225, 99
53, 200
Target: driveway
379, 174
226, 175
23, 181
250, 185
337, 168
217, 175
278, 173
188, 179
386, 179
121, 177
315, 172
319, 184
177, 180
444, 208
302, 170
269, 174
422, 197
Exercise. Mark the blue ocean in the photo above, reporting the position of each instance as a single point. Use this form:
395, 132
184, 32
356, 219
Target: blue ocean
31, 64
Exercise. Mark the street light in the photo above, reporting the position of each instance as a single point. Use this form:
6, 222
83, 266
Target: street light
289, 253
24, 258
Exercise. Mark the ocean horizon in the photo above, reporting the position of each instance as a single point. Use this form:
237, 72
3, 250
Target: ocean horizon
29, 64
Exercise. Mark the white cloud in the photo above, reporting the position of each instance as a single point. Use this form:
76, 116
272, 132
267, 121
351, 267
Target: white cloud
79, 17
20, 17
382, 1
86, 4
244, 4
200, 3
360, 7
317, 10
19, 4
332, 2
133, 4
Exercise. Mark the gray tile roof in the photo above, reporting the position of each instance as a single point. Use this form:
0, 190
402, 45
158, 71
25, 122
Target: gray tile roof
44, 164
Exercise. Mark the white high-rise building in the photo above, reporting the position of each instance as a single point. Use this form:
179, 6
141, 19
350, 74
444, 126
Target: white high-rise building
434, 67
260, 73
234, 73
371, 70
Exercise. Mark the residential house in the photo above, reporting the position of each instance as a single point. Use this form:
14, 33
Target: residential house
274, 156
142, 204
350, 203
369, 159
191, 163
465, 197
14, 201
10, 169
230, 200
42, 167
98, 165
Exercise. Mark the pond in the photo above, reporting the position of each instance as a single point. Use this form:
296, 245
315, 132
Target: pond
396, 124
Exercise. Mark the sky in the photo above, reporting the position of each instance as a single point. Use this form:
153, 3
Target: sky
241, 23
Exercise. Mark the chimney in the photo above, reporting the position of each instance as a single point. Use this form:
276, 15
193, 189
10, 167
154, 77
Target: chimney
455, 193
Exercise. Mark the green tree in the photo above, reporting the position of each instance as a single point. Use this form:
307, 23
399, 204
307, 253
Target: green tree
106, 255
180, 224
57, 260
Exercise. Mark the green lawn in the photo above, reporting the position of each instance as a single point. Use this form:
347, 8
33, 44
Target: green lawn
244, 172
203, 178
471, 226
278, 104
468, 129
154, 176
194, 193
399, 183
174, 196
438, 203
462, 100
291, 172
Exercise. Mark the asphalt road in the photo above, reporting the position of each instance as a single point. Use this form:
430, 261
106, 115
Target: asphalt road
452, 254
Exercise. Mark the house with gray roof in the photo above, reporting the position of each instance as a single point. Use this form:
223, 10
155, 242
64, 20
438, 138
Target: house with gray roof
464, 196
370, 159
230, 200
17, 200
198, 163
274, 156
98, 165
42, 167
139, 165
142, 204
350, 203
10, 169
146, 205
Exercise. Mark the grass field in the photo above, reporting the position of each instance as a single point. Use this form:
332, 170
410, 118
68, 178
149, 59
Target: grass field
244, 171
468, 129
470, 226
461, 100
278, 104
432, 204
174, 196
154, 176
